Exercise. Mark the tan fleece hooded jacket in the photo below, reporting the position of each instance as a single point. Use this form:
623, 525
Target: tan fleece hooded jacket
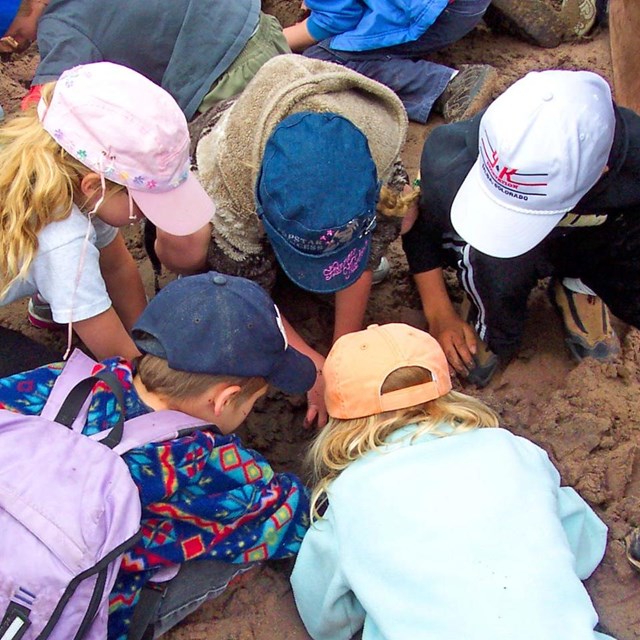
229, 154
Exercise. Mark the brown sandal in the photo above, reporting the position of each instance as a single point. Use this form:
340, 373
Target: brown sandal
632, 545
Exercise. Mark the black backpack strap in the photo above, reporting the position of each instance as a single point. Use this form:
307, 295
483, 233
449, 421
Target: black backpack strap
79, 394
94, 604
68, 400
151, 595
76, 368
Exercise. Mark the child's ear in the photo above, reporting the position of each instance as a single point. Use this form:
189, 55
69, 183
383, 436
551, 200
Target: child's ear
222, 397
90, 184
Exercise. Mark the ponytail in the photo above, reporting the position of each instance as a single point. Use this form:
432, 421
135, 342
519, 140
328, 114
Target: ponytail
39, 181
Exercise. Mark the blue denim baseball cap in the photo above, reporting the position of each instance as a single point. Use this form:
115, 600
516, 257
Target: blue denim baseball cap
316, 195
222, 325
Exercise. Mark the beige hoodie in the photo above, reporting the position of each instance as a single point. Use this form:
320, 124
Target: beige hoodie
230, 154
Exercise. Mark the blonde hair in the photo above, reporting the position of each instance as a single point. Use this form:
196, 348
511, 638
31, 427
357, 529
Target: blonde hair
341, 442
159, 378
39, 183
395, 203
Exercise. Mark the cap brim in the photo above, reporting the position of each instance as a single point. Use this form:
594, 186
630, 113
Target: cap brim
295, 373
493, 229
324, 273
147, 343
181, 211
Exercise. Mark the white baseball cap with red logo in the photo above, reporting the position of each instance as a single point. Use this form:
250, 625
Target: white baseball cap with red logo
542, 145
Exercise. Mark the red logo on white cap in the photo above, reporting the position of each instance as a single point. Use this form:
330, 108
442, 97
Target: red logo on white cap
510, 181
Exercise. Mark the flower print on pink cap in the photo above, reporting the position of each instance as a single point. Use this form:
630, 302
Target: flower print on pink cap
128, 129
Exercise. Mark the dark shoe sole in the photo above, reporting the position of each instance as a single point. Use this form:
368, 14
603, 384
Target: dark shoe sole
532, 20
481, 375
480, 95
632, 546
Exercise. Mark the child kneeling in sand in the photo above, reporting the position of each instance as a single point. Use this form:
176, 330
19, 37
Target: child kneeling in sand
429, 524
211, 345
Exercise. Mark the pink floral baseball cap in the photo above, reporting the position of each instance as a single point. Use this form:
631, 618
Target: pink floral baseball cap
123, 126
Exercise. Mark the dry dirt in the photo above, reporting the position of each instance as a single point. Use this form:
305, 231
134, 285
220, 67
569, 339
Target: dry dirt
584, 414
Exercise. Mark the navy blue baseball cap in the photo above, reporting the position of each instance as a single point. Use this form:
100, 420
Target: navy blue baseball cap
222, 325
316, 195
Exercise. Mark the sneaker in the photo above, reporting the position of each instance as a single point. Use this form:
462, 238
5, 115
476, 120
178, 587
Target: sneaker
534, 21
587, 325
469, 91
602, 13
632, 546
486, 362
579, 17
40, 316
381, 271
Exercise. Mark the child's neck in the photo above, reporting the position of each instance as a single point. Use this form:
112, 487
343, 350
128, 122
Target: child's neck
151, 399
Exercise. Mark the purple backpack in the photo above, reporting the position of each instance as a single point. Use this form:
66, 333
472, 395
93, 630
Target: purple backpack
68, 508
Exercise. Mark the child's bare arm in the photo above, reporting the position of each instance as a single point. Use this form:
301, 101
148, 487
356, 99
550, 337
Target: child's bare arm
184, 254
22, 31
298, 36
123, 281
105, 336
316, 408
351, 304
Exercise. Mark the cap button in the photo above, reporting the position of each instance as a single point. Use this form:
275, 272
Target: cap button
547, 97
218, 279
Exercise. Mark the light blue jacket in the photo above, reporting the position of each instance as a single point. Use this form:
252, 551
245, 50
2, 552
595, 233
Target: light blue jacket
464, 536
361, 25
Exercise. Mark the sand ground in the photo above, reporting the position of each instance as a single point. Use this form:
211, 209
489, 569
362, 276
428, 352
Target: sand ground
584, 415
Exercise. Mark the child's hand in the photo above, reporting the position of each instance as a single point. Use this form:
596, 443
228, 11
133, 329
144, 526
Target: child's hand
458, 341
316, 408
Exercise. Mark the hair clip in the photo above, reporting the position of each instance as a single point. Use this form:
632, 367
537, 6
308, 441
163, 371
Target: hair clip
370, 225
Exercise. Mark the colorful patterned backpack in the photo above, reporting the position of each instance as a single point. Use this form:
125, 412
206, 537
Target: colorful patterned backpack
68, 508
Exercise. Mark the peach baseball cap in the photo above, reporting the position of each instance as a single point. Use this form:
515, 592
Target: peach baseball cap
359, 363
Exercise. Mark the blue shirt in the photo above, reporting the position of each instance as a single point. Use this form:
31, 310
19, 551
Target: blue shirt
182, 45
8, 10
361, 25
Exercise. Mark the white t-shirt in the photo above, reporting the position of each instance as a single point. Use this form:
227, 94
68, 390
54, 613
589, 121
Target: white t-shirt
55, 271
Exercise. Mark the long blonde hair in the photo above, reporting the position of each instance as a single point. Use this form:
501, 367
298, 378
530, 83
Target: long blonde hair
341, 442
39, 183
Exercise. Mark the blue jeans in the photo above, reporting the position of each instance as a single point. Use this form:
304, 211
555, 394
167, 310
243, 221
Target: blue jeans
196, 582
418, 83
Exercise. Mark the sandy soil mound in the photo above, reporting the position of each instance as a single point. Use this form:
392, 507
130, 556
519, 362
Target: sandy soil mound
584, 414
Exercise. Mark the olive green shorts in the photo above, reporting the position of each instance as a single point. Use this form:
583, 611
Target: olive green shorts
267, 42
